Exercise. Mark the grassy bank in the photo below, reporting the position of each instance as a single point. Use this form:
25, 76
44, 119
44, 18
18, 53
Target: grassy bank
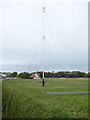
23, 98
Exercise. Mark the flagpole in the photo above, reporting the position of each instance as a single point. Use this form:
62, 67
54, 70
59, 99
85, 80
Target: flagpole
43, 82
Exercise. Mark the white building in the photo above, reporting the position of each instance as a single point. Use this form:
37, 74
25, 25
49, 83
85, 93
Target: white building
3, 76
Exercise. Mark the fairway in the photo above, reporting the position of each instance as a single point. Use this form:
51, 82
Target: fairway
25, 98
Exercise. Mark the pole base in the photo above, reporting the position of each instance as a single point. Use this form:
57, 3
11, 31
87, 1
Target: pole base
43, 82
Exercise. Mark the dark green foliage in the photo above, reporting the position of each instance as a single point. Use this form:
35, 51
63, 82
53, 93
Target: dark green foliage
81, 74
68, 75
30, 77
59, 74
88, 74
14, 74
24, 75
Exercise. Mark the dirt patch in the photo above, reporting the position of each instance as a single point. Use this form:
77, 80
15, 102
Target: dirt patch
41, 82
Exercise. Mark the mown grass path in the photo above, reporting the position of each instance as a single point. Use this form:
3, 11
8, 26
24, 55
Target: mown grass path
70, 92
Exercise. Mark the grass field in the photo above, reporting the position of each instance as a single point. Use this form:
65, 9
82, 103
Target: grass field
23, 98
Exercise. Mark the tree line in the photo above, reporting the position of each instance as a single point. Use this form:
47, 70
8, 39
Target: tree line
59, 74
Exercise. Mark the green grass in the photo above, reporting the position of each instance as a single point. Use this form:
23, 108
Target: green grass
23, 98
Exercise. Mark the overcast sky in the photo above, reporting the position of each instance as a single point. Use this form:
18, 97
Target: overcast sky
66, 36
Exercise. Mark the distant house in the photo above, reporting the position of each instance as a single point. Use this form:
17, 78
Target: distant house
35, 75
3, 76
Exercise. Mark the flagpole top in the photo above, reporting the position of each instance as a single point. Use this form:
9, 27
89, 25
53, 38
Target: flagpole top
43, 9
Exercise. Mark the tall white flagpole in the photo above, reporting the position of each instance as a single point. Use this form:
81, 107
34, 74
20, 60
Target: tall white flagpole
43, 46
